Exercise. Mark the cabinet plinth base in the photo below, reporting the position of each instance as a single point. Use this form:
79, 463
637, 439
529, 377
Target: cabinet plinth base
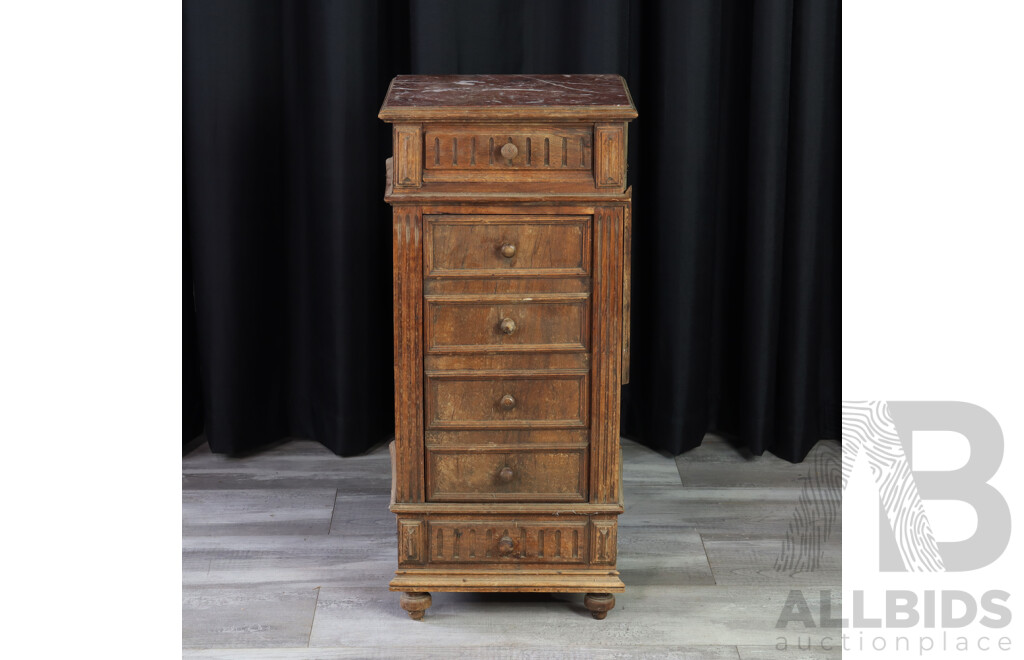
518, 580
597, 586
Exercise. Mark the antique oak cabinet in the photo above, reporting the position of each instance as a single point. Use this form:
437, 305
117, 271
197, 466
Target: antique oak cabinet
511, 222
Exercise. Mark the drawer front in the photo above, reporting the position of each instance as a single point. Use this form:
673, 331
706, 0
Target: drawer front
496, 400
524, 149
496, 541
507, 246
511, 157
537, 322
515, 476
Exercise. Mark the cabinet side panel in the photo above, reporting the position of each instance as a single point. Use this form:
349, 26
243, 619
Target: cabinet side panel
606, 336
408, 304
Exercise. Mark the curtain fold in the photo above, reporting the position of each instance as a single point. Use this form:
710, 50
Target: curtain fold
734, 162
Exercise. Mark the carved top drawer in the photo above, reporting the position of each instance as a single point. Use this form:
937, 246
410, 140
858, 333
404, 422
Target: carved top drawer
551, 134
485, 149
567, 158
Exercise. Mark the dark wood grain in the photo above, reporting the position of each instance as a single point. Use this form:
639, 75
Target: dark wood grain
473, 399
408, 312
606, 355
483, 147
512, 239
462, 245
534, 322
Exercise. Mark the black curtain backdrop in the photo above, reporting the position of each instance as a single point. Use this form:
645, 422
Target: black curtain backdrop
734, 164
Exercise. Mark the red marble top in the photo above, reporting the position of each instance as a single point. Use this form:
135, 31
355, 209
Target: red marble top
581, 95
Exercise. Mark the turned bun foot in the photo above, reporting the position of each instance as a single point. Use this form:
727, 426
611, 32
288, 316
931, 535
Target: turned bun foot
599, 604
415, 603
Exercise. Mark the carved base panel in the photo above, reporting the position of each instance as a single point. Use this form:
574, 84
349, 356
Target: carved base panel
542, 553
556, 540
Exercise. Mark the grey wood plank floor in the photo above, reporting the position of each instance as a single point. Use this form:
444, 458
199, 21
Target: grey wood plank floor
287, 554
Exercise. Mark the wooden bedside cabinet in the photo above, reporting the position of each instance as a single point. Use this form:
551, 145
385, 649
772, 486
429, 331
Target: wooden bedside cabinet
511, 298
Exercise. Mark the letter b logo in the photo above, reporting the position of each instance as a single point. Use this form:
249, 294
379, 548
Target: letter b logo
883, 431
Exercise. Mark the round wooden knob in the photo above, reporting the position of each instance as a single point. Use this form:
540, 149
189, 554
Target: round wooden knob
508, 250
505, 474
506, 545
508, 326
508, 402
509, 150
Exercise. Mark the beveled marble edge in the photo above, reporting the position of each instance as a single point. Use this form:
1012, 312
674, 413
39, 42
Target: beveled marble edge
517, 112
